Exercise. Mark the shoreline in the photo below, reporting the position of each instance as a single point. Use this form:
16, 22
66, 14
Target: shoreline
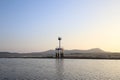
62, 58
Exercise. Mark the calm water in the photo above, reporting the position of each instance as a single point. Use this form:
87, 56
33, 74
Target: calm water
59, 69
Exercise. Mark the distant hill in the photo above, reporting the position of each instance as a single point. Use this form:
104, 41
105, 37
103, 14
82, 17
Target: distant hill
49, 53
8, 54
94, 50
94, 53
52, 52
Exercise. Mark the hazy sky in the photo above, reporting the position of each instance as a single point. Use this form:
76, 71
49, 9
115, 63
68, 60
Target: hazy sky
34, 25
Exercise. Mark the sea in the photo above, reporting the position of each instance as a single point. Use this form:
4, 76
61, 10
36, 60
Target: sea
59, 69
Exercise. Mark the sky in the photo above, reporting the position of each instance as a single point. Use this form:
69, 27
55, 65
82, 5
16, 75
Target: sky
35, 25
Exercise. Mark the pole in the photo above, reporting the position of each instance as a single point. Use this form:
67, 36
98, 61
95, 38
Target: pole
59, 44
59, 49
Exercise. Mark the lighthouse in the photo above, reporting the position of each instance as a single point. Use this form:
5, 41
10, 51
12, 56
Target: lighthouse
59, 50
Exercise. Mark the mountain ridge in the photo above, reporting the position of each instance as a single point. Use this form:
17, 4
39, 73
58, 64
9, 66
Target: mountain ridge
94, 53
92, 50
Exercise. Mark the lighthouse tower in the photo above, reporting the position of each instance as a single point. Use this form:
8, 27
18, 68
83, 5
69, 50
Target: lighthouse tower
59, 50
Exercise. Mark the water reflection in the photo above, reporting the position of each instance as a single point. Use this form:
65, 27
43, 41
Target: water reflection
60, 69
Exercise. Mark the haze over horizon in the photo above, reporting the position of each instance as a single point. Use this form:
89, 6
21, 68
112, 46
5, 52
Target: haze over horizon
35, 25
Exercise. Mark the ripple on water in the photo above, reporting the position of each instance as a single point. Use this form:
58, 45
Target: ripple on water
59, 69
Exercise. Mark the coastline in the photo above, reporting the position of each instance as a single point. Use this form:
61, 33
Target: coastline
63, 58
